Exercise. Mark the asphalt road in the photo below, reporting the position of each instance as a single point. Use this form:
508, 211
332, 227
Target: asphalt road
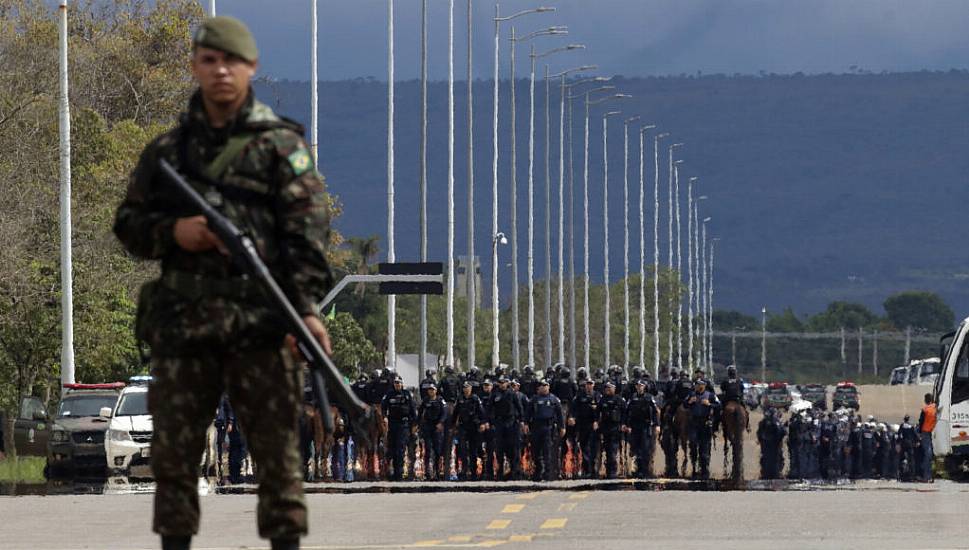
866, 515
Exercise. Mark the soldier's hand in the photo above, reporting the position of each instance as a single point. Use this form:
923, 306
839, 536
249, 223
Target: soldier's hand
318, 330
571, 422
562, 432
193, 234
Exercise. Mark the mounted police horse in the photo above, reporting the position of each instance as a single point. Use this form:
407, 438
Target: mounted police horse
735, 418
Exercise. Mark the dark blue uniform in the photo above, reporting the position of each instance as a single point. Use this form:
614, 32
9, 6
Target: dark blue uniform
468, 417
399, 410
432, 416
507, 418
611, 410
770, 435
545, 419
642, 419
701, 430
585, 412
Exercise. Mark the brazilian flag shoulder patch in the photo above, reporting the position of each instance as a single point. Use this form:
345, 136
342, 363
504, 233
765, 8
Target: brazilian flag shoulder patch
300, 161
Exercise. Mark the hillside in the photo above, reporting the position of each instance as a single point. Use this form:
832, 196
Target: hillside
822, 187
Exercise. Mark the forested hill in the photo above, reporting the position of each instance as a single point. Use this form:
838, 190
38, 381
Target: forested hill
822, 187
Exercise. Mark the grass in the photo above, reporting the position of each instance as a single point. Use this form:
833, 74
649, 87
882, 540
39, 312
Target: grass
26, 469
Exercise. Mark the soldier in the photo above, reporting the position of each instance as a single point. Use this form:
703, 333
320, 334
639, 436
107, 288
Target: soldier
584, 415
469, 424
203, 320
508, 418
642, 423
701, 432
793, 445
432, 418
488, 436
611, 408
770, 435
399, 416
544, 419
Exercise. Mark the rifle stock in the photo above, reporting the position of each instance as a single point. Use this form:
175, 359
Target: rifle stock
242, 251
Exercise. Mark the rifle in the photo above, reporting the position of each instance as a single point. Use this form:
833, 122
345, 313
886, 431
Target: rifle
243, 253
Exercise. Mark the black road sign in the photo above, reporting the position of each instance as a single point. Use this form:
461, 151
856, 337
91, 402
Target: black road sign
411, 287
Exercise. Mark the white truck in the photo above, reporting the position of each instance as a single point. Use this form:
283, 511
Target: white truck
128, 441
950, 438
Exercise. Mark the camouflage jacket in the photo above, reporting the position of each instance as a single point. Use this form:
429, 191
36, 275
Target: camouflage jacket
270, 189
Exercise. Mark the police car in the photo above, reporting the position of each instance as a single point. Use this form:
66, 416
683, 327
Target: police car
846, 396
77, 432
128, 441
778, 396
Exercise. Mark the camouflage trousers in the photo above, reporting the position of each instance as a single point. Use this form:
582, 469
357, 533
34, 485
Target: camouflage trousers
265, 389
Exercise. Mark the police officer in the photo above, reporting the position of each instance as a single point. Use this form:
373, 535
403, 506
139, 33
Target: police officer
770, 435
611, 409
475, 379
488, 436
201, 318
545, 420
642, 424
701, 426
508, 418
361, 388
909, 441
529, 383
400, 414
584, 415
793, 445
428, 381
827, 447
469, 425
432, 418
450, 385
732, 389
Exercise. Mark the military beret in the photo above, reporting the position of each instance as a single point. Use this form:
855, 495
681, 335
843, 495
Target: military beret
229, 35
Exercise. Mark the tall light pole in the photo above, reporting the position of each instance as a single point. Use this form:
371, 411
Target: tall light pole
763, 344
625, 241
679, 271
642, 244
607, 333
713, 247
67, 271
471, 271
656, 356
497, 238
515, 39
450, 186
670, 259
703, 292
689, 267
211, 7
531, 212
695, 251
391, 255
494, 181
423, 185
314, 85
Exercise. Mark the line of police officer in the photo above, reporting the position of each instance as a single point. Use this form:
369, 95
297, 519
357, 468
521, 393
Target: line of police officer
839, 445
557, 426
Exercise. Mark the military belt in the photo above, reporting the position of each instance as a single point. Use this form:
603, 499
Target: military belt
197, 285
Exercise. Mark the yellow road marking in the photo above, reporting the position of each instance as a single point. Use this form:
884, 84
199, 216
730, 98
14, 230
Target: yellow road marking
426, 543
490, 543
568, 506
459, 538
579, 496
554, 523
520, 538
499, 523
528, 496
512, 508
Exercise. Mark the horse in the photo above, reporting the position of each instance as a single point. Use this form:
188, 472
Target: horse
735, 418
681, 431
369, 444
322, 442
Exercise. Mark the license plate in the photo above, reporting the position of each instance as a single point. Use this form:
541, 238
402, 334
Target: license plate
146, 452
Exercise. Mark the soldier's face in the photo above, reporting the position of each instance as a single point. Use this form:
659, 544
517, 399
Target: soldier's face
223, 78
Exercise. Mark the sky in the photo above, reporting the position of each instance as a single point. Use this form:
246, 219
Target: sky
628, 37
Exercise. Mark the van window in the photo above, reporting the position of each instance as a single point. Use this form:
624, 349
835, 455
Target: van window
960, 379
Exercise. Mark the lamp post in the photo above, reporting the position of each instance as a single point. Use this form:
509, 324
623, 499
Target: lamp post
625, 241
211, 8
703, 294
471, 271
696, 272
763, 344
422, 184
642, 245
670, 258
713, 247
67, 270
494, 173
391, 254
689, 263
607, 333
679, 294
497, 238
551, 31
449, 353
656, 356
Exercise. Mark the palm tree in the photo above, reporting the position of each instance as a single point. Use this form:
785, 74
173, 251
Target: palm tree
364, 250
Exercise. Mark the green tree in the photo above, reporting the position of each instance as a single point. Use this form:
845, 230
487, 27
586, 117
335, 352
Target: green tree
734, 320
351, 348
921, 310
786, 321
840, 315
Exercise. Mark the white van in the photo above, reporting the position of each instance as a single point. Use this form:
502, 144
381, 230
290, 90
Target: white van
128, 441
950, 438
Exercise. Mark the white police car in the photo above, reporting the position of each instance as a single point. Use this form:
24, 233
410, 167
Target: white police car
128, 441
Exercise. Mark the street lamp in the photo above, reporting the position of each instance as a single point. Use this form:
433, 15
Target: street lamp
703, 286
713, 246
625, 239
670, 259
642, 246
695, 253
494, 168
607, 335
551, 31
656, 357
498, 238
763, 344
689, 263
679, 271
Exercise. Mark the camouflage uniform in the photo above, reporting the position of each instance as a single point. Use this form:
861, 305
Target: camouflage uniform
209, 327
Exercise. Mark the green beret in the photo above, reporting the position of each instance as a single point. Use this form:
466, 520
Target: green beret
229, 35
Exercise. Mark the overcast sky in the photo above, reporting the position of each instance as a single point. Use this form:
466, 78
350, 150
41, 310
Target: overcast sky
630, 37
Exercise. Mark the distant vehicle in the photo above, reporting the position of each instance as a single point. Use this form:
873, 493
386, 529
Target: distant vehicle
846, 396
752, 394
76, 440
816, 395
778, 396
925, 371
899, 376
950, 438
31, 428
128, 443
